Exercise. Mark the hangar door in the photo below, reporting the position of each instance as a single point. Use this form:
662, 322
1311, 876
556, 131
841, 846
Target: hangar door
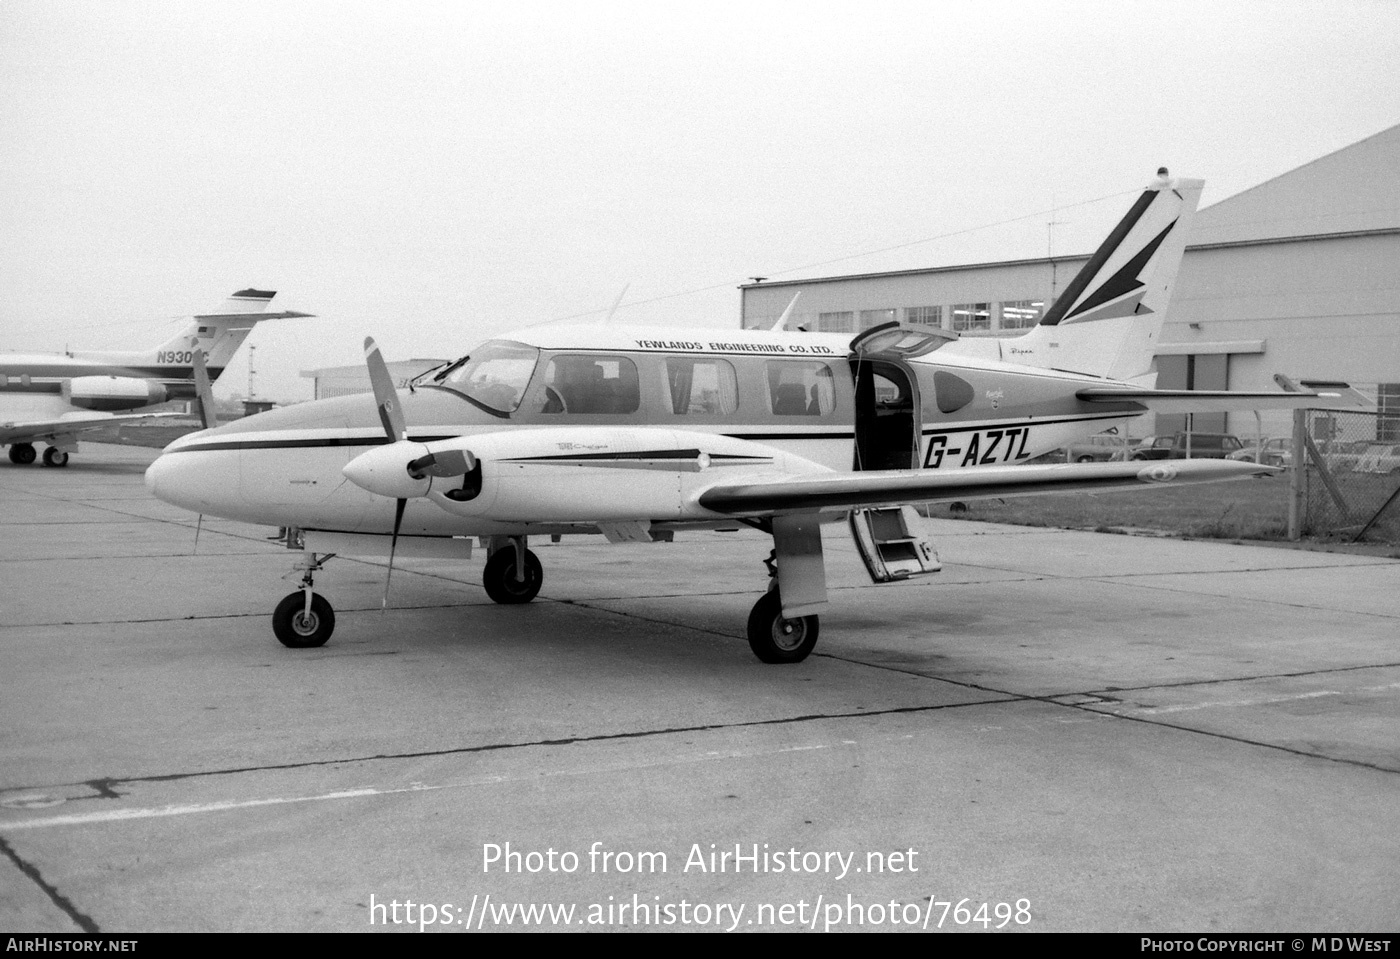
1204, 371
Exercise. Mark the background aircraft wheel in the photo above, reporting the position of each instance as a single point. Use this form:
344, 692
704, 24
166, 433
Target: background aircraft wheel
55, 457
777, 640
499, 577
1086, 458
22, 454
295, 629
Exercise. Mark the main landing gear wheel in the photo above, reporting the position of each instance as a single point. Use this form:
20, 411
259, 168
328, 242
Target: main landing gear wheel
22, 454
774, 639
499, 577
295, 628
53, 456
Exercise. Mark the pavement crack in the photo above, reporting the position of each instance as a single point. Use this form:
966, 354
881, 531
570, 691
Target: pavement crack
109, 782
1236, 679
82, 920
1226, 737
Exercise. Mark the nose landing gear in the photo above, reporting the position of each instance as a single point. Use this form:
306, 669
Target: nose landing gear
304, 619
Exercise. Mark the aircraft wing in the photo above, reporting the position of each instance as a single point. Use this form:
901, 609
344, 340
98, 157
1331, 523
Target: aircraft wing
67, 425
836, 492
1312, 396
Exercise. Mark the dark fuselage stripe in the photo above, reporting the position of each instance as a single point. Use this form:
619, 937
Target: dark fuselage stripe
301, 443
1002, 424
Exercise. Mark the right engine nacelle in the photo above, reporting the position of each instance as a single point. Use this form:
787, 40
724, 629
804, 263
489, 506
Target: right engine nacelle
112, 392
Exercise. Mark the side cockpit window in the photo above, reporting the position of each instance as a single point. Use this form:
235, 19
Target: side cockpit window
577, 384
495, 376
797, 388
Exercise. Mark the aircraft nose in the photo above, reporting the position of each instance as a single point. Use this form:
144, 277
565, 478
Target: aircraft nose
164, 479
191, 481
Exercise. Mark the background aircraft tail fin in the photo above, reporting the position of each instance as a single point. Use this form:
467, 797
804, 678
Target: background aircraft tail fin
1109, 318
243, 302
218, 335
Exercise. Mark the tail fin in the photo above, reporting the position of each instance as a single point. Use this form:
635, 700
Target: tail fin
218, 335
1108, 320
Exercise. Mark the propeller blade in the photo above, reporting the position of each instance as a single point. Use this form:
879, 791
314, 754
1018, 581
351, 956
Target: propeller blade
204, 391
399, 505
385, 396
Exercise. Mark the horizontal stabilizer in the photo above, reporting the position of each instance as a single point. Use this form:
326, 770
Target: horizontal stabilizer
834, 492
1334, 396
254, 317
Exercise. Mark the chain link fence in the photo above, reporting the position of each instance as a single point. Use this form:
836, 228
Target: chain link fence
1348, 488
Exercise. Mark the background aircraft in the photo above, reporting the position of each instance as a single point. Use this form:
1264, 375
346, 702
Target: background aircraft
52, 397
638, 435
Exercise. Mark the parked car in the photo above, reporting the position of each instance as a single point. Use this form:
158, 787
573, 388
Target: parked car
1345, 455
1277, 451
1379, 458
1098, 448
1201, 446
1154, 448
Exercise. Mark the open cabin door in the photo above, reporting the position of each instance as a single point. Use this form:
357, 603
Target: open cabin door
890, 541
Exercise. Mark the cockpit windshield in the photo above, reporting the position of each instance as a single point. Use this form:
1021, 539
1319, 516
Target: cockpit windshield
495, 375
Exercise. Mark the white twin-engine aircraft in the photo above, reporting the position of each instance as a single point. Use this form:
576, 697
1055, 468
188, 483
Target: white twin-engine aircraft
637, 435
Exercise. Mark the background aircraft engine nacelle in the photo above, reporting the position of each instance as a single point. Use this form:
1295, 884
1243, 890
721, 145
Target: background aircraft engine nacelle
112, 392
589, 474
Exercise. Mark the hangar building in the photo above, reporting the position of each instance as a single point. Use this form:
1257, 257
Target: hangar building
346, 380
1299, 275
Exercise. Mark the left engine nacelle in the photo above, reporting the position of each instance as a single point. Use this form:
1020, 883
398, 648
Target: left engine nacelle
112, 392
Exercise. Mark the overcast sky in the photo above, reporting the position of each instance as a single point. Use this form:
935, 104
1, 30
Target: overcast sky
433, 174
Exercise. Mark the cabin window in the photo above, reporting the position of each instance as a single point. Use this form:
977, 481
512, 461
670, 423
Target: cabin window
800, 389
591, 384
702, 387
496, 375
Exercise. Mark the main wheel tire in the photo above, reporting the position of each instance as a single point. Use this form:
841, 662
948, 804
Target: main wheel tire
22, 454
53, 456
299, 631
1085, 458
774, 639
499, 577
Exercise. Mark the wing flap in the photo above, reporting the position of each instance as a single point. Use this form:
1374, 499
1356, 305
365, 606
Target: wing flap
835, 492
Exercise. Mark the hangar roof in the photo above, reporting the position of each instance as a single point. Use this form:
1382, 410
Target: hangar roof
1355, 189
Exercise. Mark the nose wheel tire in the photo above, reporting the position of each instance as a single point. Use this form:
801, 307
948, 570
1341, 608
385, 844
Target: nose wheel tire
295, 628
774, 639
499, 577
55, 457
